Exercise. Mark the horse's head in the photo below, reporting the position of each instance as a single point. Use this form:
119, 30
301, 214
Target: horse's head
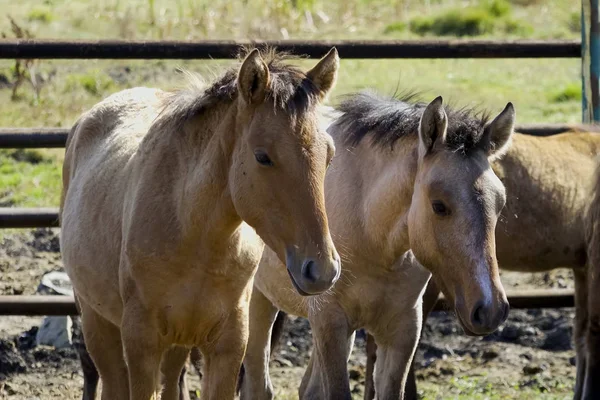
455, 206
278, 170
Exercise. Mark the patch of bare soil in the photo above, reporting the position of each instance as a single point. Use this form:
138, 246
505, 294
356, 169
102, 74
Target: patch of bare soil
531, 352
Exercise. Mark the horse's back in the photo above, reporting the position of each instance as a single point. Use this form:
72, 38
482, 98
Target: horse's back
98, 164
548, 182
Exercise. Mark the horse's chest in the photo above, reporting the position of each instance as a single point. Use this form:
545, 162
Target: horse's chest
376, 299
197, 314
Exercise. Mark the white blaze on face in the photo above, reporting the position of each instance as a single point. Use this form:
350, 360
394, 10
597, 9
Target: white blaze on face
484, 282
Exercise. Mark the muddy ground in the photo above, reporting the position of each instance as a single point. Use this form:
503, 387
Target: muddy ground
530, 356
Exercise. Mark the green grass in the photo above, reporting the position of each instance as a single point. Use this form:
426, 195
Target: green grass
69, 87
571, 92
40, 15
484, 18
28, 178
479, 388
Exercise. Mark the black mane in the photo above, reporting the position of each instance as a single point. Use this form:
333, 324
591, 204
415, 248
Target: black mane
289, 89
386, 120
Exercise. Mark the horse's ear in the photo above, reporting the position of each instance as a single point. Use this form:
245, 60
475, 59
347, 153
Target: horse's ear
324, 74
253, 78
433, 126
497, 134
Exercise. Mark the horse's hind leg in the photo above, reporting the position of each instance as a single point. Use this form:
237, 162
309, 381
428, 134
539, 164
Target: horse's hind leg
256, 383
580, 329
591, 387
173, 374
103, 341
90, 373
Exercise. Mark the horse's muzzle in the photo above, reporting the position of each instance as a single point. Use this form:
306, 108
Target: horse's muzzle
312, 276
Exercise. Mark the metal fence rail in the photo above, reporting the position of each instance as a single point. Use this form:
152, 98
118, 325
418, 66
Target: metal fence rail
16, 217
31, 138
11, 217
65, 305
365, 49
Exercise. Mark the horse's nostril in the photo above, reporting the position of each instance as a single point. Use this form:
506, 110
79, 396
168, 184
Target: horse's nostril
309, 271
478, 315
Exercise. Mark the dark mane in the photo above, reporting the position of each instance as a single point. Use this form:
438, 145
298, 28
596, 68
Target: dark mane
386, 120
289, 89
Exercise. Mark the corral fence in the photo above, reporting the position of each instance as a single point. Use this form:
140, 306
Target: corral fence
56, 137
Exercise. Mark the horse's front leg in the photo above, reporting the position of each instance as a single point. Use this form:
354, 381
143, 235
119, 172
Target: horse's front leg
143, 351
396, 347
430, 297
223, 358
256, 383
332, 343
173, 372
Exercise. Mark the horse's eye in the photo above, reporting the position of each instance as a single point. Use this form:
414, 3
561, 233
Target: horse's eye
440, 208
263, 158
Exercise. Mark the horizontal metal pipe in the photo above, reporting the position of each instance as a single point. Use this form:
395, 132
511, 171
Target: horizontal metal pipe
534, 298
554, 129
23, 138
14, 217
31, 138
37, 305
65, 305
222, 49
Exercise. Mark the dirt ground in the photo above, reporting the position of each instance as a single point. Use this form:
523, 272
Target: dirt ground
529, 357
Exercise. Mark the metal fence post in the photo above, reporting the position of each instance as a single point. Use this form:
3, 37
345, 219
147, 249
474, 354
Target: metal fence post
590, 61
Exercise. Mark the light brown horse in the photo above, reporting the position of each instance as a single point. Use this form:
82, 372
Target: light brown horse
549, 211
166, 199
405, 176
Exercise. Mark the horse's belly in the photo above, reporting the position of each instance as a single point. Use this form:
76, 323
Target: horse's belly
532, 254
92, 267
91, 235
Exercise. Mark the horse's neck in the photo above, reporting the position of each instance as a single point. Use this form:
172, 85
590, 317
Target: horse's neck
206, 209
369, 192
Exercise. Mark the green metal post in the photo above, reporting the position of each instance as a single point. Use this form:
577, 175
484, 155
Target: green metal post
590, 60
